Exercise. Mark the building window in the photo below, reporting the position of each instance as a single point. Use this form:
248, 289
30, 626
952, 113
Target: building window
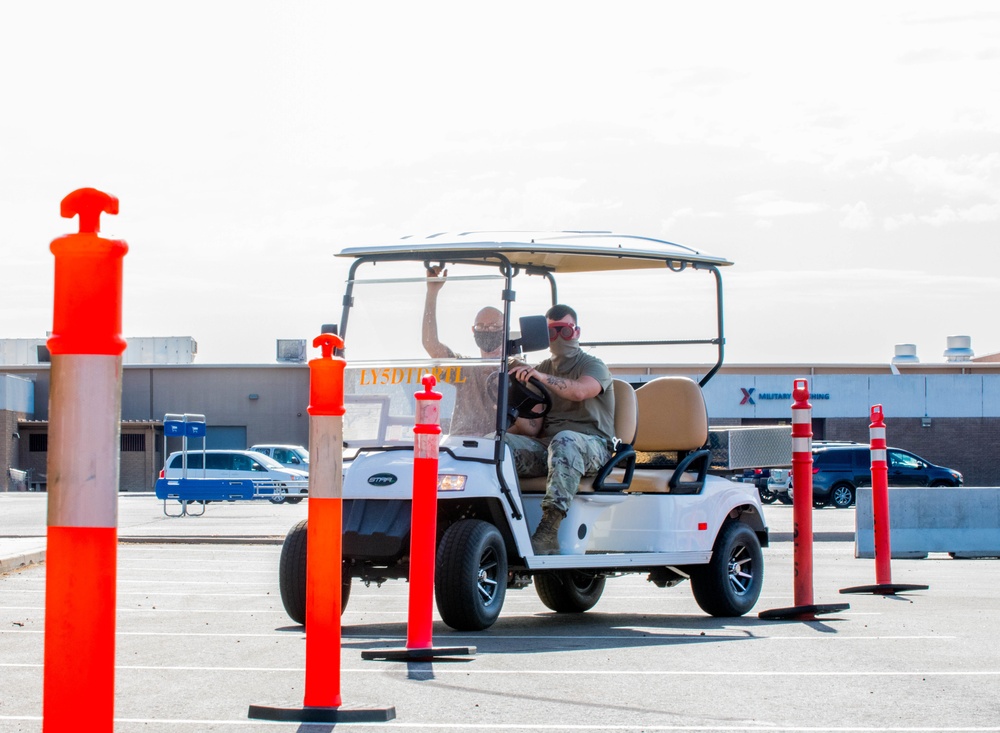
135, 442
38, 443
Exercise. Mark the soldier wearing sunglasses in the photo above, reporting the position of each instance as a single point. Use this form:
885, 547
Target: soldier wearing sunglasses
575, 438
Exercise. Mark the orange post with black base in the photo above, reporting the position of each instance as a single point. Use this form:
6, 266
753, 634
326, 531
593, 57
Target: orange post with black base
84, 425
802, 507
880, 515
324, 551
423, 536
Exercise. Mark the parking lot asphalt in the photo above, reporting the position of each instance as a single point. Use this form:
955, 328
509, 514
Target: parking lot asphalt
202, 635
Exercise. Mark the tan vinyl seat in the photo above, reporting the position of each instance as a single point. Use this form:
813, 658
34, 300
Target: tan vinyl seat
672, 416
626, 412
673, 420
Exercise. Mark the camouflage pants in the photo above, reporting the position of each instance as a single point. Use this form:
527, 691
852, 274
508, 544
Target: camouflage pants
565, 459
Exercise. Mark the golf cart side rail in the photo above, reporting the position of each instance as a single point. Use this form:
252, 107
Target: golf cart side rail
719, 341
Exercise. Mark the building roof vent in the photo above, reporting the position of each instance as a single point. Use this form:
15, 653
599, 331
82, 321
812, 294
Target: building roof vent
906, 354
959, 349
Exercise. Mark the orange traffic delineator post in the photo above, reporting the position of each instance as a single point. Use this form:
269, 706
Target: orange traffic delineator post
423, 537
324, 553
880, 515
84, 424
802, 507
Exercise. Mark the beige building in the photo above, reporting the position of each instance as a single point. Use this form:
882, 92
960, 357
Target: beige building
948, 412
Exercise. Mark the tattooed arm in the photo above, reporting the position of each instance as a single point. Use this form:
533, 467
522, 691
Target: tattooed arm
575, 390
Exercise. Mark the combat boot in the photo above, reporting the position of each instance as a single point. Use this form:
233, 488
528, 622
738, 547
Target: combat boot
545, 540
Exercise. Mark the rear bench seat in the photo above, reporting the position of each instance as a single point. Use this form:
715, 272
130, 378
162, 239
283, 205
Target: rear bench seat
668, 420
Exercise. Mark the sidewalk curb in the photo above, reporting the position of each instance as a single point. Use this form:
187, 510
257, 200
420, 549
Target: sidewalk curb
202, 540
21, 560
817, 536
15, 561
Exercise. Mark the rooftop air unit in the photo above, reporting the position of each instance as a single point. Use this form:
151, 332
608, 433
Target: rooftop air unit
959, 349
906, 354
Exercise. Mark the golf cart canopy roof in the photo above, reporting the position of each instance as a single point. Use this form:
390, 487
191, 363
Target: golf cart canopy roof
553, 251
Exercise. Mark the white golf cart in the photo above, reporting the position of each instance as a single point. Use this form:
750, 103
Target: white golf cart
661, 507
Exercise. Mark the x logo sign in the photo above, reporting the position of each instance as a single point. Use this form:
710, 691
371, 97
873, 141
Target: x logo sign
747, 398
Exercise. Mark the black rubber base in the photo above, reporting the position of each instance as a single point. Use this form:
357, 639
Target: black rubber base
884, 589
419, 655
322, 715
802, 613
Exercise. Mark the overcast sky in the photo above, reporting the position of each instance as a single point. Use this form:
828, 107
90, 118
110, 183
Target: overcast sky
846, 156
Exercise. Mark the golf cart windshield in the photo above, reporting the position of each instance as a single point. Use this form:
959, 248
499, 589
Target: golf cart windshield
407, 323
453, 309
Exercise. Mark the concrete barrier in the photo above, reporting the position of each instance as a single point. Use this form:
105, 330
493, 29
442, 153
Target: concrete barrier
964, 522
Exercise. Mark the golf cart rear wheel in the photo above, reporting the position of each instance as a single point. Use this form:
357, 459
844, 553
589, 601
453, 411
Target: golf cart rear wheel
470, 577
730, 584
569, 591
292, 575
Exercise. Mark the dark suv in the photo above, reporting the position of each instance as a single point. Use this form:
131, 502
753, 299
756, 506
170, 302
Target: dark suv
839, 469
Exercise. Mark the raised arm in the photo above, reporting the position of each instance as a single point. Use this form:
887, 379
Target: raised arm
429, 330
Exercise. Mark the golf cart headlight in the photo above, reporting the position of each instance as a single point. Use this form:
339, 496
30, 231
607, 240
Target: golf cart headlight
451, 482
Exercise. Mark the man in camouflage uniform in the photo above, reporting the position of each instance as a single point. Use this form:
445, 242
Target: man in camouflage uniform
576, 438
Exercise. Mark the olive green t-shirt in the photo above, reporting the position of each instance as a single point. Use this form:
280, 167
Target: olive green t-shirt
595, 416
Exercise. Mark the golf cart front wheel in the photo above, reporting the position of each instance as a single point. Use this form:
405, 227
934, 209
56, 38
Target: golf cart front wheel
470, 577
730, 584
292, 575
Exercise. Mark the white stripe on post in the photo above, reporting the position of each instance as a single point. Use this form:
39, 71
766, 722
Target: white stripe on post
84, 440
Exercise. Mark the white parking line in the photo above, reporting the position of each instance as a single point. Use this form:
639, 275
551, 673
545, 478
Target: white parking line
121, 582
161, 593
521, 637
440, 670
201, 724
150, 609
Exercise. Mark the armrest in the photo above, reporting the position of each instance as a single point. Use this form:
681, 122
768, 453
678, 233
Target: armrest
624, 455
699, 457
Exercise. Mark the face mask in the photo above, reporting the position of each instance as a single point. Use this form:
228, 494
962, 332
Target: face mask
562, 348
488, 341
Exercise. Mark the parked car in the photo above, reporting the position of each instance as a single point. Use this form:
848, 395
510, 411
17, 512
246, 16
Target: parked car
839, 469
289, 456
239, 464
759, 477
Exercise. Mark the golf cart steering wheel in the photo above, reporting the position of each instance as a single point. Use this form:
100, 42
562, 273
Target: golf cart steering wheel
522, 399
